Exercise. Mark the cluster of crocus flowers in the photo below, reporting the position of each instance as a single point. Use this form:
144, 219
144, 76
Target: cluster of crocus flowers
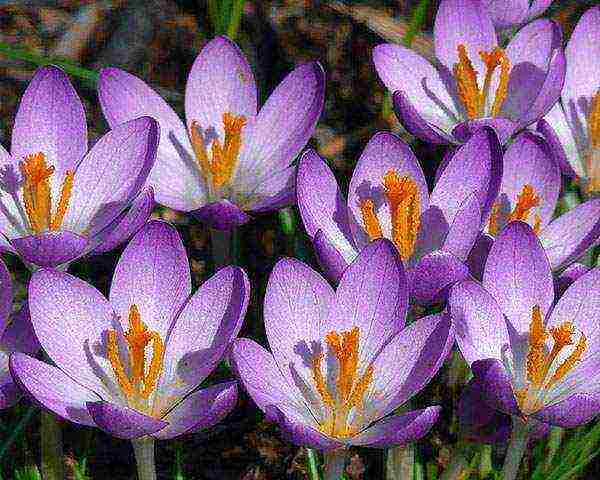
16, 335
529, 192
572, 127
477, 82
59, 201
132, 365
532, 358
229, 159
389, 198
342, 361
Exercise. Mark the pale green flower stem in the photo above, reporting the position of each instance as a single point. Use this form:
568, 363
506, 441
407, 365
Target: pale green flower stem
51, 446
335, 461
516, 449
144, 457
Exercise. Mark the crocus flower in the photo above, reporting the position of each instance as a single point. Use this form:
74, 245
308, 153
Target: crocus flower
57, 200
532, 359
343, 360
16, 335
389, 198
227, 159
572, 127
513, 13
477, 82
529, 192
132, 364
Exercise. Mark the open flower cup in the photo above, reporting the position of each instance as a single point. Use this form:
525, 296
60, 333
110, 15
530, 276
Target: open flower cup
532, 358
388, 197
59, 201
229, 158
529, 192
342, 361
572, 127
132, 365
16, 335
476, 81
513, 13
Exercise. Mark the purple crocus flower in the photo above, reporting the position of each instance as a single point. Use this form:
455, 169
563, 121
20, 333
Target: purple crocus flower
16, 335
343, 360
529, 192
477, 82
513, 13
389, 198
131, 365
57, 200
531, 358
228, 159
572, 127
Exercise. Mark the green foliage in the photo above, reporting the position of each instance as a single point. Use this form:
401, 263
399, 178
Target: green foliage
226, 16
27, 473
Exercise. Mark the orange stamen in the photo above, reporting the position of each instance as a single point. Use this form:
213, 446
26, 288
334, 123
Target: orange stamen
466, 82
37, 196
370, 220
526, 201
494, 225
537, 347
594, 121
593, 153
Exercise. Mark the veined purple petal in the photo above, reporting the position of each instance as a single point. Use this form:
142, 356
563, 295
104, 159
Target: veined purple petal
435, 273
50, 120
478, 255
495, 384
222, 215
6, 295
567, 277
481, 330
415, 124
51, 249
123, 422
275, 191
507, 13
557, 132
52, 389
528, 161
202, 333
409, 362
385, 152
401, 69
175, 176
128, 224
538, 7
573, 412
70, 319
111, 175
398, 429
465, 229
567, 237
518, 276
220, 81
330, 258
463, 22
298, 303
201, 409
503, 127
153, 273
283, 126
373, 296
530, 52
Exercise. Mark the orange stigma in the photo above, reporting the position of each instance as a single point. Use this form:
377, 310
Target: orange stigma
138, 384
527, 200
402, 195
37, 195
474, 98
543, 368
593, 153
219, 169
350, 387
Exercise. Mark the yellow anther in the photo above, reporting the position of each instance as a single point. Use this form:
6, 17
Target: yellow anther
592, 155
370, 220
140, 384
350, 387
594, 121
466, 82
37, 195
403, 197
220, 168
536, 355
570, 362
563, 334
494, 225
473, 98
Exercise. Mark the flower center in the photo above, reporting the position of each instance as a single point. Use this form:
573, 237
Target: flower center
402, 196
593, 153
527, 200
545, 367
136, 381
218, 169
350, 387
474, 99
37, 195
